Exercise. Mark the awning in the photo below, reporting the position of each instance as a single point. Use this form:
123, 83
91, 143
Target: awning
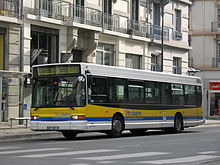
194, 70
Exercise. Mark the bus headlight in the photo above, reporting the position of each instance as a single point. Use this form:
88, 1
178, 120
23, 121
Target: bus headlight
34, 117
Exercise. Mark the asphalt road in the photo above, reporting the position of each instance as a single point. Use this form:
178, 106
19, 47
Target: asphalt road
195, 146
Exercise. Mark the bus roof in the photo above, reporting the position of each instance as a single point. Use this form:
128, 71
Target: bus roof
135, 74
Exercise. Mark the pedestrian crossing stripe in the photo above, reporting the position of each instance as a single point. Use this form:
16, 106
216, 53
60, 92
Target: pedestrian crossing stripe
68, 153
9, 148
31, 150
181, 160
123, 156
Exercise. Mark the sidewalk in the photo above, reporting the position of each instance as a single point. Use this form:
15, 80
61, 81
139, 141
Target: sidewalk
20, 132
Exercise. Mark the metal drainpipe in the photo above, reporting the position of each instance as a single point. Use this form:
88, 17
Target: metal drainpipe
162, 38
21, 63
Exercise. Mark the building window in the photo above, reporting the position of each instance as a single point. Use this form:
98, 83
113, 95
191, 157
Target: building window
155, 63
216, 60
177, 35
133, 61
44, 45
156, 21
2, 59
134, 10
157, 14
177, 65
178, 20
105, 54
2, 48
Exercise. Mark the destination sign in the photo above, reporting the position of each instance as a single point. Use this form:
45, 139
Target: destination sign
58, 70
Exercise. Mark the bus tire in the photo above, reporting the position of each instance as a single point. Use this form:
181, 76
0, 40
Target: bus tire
69, 134
117, 127
178, 123
138, 131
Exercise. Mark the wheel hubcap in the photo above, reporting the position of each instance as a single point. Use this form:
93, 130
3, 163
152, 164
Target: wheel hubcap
117, 126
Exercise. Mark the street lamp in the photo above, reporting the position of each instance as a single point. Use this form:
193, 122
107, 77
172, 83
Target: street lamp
163, 4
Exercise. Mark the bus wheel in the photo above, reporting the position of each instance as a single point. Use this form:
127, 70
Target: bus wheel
178, 123
69, 134
117, 127
138, 131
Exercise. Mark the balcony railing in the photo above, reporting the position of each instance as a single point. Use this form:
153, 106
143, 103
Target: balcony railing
216, 62
177, 70
70, 13
215, 26
156, 67
156, 32
177, 35
9, 8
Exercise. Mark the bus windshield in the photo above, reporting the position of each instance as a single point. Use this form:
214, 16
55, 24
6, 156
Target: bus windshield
59, 91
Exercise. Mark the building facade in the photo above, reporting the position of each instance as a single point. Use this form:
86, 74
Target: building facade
11, 68
205, 55
139, 34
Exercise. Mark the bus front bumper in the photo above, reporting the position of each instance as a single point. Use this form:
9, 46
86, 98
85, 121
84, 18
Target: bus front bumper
80, 125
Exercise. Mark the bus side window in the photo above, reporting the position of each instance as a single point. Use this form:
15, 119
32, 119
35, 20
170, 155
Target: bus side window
199, 95
152, 92
117, 89
190, 95
98, 90
135, 92
165, 93
177, 92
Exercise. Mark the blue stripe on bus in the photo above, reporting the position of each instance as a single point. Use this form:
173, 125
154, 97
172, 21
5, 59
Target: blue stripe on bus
192, 117
110, 118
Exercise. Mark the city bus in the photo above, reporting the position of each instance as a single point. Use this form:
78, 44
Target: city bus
78, 97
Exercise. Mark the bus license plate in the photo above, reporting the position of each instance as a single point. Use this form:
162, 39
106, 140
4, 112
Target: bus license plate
52, 127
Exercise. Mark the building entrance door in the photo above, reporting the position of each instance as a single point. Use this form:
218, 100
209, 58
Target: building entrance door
215, 104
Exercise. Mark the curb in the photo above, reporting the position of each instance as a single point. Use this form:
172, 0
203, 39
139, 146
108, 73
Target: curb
21, 136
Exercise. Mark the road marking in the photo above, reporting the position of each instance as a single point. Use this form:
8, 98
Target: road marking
208, 152
123, 156
135, 145
181, 160
107, 162
67, 153
30, 150
9, 147
206, 140
80, 164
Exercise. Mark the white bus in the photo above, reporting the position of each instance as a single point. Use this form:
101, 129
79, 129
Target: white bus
78, 97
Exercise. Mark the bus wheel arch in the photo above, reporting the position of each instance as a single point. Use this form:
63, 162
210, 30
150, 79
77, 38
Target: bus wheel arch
118, 125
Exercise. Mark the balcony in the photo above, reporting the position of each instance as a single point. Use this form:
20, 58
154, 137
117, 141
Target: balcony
156, 32
216, 62
69, 14
9, 8
177, 35
215, 26
177, 70
156, 67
